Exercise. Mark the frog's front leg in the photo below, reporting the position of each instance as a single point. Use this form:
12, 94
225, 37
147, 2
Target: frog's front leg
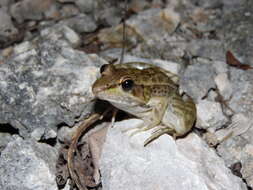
155, 115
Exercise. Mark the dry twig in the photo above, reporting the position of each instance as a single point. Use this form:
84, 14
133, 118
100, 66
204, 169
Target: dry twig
73, 147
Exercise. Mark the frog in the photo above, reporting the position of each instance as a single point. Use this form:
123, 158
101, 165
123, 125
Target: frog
150, 93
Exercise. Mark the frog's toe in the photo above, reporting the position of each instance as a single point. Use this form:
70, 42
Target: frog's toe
157, 133
141, 129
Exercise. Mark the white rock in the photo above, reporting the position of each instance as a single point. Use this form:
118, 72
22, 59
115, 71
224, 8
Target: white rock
153, 23
220, 66
240, 125
198, 79
224, 85
168, 65
187, 164
23, 47
209, 115
71, 36
171, 66
61, 31
43, 134
23, 50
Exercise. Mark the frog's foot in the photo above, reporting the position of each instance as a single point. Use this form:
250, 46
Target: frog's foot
142, 129
159, 132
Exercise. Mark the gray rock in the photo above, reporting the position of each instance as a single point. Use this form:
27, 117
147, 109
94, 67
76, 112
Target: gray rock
61, 31
198, 79
208, 4
7, 29
209, 115
5, 138
107, 12
220, 67
239, 149
230, 5
6, 3
52, 13
64, 134
153, 24
240, 124
241, 100
43, 134
149, 32
86, 6
126, 164
47, 83
28, 165
224, 86
211, 49
238, 33
81, 23
66, 1
30, 9
238, 39
69, 10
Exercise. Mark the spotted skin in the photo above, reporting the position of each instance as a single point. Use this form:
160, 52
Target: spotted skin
152, 96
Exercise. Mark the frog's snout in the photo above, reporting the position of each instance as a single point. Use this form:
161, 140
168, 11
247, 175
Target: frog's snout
95, 89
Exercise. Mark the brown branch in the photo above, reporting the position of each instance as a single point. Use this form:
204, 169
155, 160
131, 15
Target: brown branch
73, 146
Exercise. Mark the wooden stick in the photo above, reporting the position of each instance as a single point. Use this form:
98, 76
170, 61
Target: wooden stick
73, 146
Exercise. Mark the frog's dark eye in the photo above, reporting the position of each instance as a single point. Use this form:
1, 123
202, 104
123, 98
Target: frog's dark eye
127, 85
103, 68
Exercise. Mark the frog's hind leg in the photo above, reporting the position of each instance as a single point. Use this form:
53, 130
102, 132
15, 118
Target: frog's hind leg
154, 120
159, 132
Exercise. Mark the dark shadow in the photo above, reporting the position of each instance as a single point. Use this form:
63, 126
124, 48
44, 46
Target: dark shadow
7, 128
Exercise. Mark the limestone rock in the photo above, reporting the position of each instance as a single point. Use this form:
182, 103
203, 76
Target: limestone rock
47, 83
7, 29
209, 115
198, 79
30, 9
185, 164
27, 165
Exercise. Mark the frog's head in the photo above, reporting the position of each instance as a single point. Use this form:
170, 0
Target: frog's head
120, 86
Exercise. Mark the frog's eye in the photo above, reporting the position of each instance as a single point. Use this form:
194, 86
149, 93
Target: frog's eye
127, 85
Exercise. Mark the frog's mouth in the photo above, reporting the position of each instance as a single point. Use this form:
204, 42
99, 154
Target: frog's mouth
110, 97
116, 97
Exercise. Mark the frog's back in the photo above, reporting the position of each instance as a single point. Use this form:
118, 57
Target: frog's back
152, 78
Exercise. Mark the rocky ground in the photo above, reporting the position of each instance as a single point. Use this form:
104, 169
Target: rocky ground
50, 54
